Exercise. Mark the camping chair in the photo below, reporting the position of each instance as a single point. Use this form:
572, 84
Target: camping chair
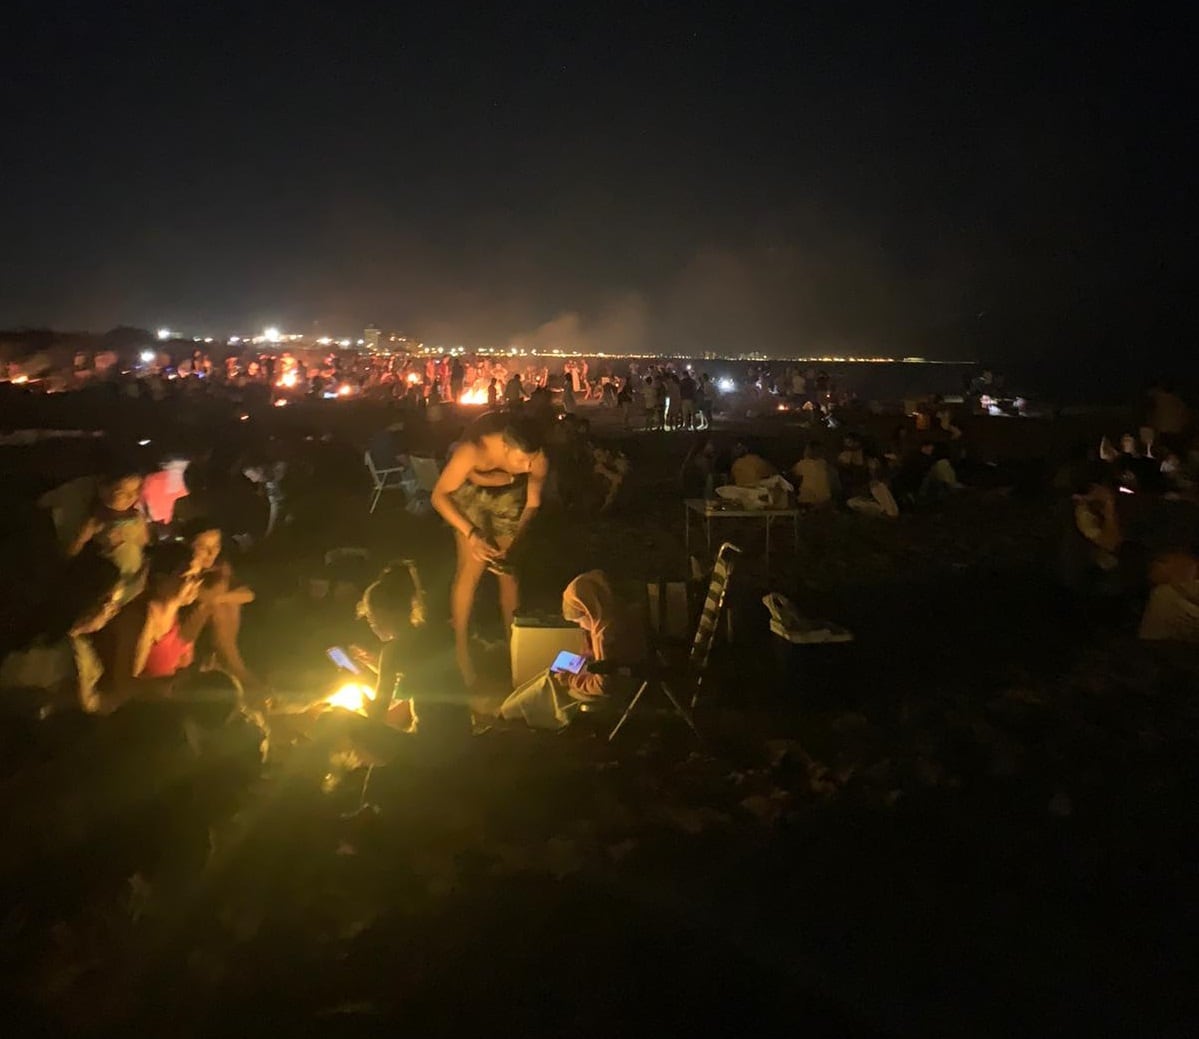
657, 671
379, 478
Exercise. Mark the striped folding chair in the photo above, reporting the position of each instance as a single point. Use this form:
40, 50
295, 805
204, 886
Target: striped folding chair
658, 672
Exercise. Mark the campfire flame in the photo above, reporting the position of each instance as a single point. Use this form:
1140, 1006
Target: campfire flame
353, 696
475, 396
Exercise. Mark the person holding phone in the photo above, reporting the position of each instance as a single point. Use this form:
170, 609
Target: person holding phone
394, 607
613, 636
489, 492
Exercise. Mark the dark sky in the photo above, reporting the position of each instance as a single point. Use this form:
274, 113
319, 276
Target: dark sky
945, 179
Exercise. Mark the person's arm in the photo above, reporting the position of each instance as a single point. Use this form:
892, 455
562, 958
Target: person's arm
239, 596
192, 622
452, 477
385, 682
585, 683
91, 527
537, 476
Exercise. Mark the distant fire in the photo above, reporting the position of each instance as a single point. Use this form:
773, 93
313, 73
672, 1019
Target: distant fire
475, 396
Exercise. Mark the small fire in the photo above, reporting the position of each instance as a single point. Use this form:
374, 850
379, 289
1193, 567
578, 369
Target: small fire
281, 402
353, 696
344, 390
288, 380
475, 396
20, 380
413, 378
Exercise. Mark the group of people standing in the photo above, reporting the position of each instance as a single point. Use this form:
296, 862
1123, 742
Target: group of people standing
674, 400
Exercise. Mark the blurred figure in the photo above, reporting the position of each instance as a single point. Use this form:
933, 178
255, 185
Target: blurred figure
117, 527
57, 662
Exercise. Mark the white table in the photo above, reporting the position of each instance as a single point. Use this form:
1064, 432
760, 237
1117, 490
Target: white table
704, 508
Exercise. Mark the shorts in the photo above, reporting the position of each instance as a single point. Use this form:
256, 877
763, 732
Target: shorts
495, 511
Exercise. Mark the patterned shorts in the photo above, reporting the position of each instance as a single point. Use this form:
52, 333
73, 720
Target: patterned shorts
494, 510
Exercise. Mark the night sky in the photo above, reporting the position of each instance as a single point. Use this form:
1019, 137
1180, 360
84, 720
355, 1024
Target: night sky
948, 180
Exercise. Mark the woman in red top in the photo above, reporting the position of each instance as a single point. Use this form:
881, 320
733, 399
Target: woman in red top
148, 642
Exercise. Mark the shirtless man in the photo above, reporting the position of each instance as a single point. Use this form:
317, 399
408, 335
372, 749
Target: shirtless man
488, 492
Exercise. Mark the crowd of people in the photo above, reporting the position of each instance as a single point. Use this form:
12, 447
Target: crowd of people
1130, 531
142, 604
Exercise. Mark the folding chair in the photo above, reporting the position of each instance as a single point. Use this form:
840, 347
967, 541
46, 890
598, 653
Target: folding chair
659, 672
379, 478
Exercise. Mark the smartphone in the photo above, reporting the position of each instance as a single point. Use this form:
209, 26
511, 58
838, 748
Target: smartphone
571, 663
342, 659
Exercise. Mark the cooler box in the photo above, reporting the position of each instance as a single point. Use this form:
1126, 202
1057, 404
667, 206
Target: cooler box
536, 641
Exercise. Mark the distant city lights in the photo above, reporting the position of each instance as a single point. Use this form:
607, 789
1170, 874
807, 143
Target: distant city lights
274, 336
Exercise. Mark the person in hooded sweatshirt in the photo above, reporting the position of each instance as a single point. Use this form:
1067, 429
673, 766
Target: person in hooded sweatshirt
547, 700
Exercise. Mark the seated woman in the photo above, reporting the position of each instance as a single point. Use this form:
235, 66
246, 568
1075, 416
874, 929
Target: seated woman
225, 600
818, 481
117, 527
615, 637
488, 492
148, 641
57, 663
394, 607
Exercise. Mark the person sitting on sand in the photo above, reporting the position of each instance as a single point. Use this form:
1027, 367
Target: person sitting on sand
394, 607
117, 527
489, 492
148, 642
941, 478
614, 636
878, 499
817, 480
226, 600
749, 468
